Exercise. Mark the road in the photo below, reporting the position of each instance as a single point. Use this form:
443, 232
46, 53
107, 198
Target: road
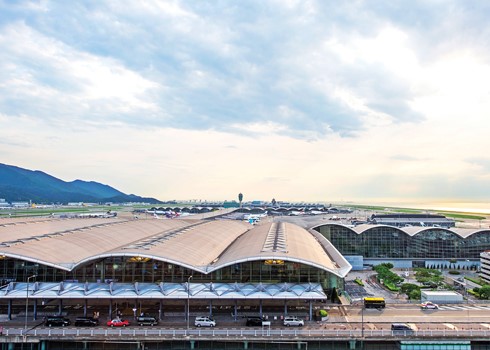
352, 322
465, 316
461, 316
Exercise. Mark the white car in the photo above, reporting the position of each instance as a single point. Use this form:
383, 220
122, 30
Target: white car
429, 305
293, 321
204, 321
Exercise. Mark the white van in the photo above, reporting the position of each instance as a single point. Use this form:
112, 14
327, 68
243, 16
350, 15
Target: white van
293, 321
204, 321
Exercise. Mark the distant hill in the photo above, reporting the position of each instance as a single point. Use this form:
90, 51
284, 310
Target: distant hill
18, 184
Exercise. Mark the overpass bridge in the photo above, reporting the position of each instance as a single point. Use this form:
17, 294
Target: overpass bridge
239, 338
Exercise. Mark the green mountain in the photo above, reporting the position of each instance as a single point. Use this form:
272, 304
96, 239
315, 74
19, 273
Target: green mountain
18, 184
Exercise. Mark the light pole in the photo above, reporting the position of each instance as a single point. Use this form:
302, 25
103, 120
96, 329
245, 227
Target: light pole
362, 321
188, 299
27, 300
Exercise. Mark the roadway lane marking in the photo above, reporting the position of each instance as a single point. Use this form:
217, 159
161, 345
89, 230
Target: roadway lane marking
464, 307
452, 308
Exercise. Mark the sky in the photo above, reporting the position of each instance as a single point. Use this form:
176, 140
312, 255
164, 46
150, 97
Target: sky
317, 101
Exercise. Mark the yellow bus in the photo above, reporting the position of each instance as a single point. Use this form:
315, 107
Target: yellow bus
374, 303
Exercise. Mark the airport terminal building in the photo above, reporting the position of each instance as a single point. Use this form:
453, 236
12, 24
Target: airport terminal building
407, 247
164, 264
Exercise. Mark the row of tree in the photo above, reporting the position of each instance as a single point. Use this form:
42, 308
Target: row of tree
430, 278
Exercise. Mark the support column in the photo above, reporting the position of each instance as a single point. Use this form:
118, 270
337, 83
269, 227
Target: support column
60, 307
298, 345
85, 304
236, 309
9, 311
34, 313
285, 307
260, 307
245, 345
110, 308
11, 346
160, 310
352, 344
193, 342
42, 345
311, 309
185, 310
210, 308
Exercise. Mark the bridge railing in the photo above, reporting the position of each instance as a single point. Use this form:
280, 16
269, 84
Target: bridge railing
226, 333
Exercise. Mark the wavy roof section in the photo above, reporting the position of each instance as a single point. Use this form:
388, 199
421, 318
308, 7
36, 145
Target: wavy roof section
281, 240
410, 230
43, 290
201, 245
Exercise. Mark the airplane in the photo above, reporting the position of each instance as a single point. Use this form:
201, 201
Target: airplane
168, 214
254, 216
316, 212
109, 214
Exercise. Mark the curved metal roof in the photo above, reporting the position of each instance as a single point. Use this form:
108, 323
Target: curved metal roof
410, 230
200, 245
284, 241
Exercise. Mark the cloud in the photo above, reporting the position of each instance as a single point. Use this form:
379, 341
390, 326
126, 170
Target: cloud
291, 99
46, 79
482, 165
413, 187
201, 67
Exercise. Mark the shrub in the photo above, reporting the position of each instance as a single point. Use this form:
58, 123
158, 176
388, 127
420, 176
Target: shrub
476, 280
414, 295
323, 313
407, 288
453, 272
391, 286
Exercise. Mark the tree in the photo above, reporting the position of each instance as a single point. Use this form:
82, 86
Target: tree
240, 198
408, 288
415, 294
273, 202
485, 292
386, 275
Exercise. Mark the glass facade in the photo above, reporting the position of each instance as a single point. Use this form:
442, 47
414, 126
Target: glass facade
138, 269
391, 242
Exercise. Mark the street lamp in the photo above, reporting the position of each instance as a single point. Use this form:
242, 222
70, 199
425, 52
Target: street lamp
188, 299
362, 321
27, 300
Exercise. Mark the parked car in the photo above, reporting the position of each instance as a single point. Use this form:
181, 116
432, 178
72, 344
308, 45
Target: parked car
146, 321
429, 305
204, 321
86, 322
401, 328
293, 321
117, 322
57, 321
254, 321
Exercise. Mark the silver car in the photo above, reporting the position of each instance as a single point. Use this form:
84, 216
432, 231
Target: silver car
204, 321
293, 321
